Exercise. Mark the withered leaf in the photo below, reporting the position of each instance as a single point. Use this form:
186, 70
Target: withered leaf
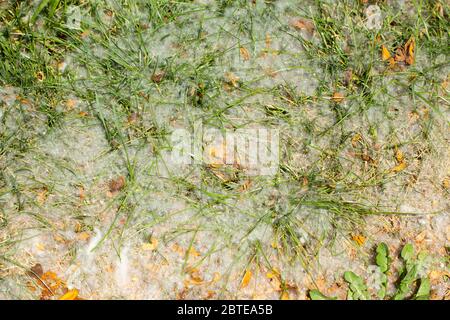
400, 55
385, 54
359, 239
246, 279
410, 47
70, 295
157, 77
400, 167
36, 270
244, 53
303, 24
116, 185
338, 97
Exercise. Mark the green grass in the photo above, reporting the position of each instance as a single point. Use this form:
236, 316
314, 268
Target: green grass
111, 61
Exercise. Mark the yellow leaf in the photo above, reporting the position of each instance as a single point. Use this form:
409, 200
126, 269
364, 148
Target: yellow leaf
246, 279
150, 246
400, 167
216, 277
446, 183
284, 296
399, 156
83, 236
385, 54
70, 295
244, 53
391, 62
355, 139
359, 239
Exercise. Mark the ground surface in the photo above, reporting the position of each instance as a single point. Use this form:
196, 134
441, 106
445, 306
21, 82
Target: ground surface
91, 92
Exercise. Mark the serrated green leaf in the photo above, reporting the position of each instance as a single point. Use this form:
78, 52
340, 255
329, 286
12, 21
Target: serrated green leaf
423, 293
407, 252
382, 258
382, 292
349, 295
317, 295
357, 286
404, 286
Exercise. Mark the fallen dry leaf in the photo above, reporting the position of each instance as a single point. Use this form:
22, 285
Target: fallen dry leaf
231, 78
410, 47
385, 54
193, 252
284, 295
70, 295
150, 246
116, 185
355, 139
303, 24
399, 156
268, 41
246, 279
446, 183
71, 103
400, 55
337, 97
400, 167
359, 239
83, 236
245, 185
244, 53
42, 196
36, 270
157, 77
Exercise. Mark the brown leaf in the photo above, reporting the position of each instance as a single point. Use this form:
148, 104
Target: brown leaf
36, 270
231, 78
338, 97
244, 53
348, 77
42, 196
157, 77
116, 185
410, 47
303, 24
268, 41
400, 55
